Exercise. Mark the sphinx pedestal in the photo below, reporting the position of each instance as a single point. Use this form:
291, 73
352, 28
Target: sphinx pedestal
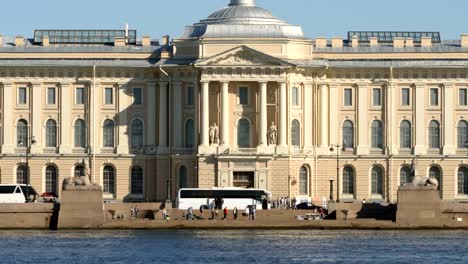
418, 206
81, 208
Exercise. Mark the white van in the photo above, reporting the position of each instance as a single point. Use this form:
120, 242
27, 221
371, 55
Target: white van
16, 193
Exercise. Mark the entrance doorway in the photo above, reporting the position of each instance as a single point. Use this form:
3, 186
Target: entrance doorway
244, 179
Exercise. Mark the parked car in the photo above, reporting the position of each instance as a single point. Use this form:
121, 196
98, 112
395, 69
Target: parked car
17, 193
308, 206
49, 197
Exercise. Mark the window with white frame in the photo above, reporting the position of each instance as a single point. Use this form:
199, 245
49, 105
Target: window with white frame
377, 135
463, 97
377, 180
376, 97
108, 96
22, 96
348, 97
462, 134
405, 134
434, 135
295, 96
348, 180
434, 97
348, 134
51, 133
80, 96
51, 95
405, 97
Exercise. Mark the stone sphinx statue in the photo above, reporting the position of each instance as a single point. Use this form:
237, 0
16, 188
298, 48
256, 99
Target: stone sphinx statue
82, 182
419, 181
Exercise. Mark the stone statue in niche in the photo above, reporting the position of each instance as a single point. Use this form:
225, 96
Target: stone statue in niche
272, 134
214, 134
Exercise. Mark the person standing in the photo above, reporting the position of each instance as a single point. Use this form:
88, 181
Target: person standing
135, 212
247, 213
225, 213
234, 212
213, 211
254, 212
202, 212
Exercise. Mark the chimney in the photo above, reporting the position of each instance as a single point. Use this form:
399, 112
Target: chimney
337, 42
409, 43
165, 40
1, 40
321, 42
45, 41
426, 42
19, 41
119, 42
146, 41
355, 42
464, 40
398, 42
374, 42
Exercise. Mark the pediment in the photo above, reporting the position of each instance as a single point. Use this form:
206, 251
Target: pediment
243, 57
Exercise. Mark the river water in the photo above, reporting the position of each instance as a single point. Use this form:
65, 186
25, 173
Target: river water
262, 246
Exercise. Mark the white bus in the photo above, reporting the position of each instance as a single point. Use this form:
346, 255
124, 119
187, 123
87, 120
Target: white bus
232, 197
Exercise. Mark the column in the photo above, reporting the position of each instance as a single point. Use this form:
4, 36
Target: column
362, 120
162, 148
449, 126
225, 114
36, 121
308, 123
324, 116
124, 127
334, 122
66, 100
8, 125
205, 108
151, 114
420, 121
196, 112
262, 137
178, 114
283, 122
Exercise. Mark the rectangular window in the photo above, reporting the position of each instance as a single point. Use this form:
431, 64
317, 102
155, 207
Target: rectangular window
51, 96
377, 97
137, 96
462, 97
189, 96
434, 93
405, 97
295, 96
109, 96
80, 96
22, 96
348, 97
243, 95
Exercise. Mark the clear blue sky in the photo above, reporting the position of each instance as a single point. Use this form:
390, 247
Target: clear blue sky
157, 17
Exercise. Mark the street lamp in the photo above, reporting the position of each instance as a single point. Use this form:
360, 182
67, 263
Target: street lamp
332, 149
29, 141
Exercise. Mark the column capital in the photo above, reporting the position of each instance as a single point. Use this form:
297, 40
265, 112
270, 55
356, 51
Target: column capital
262, 82
204, 82
163, 83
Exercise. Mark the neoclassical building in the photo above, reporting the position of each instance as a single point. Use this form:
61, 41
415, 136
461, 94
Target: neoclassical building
241, 98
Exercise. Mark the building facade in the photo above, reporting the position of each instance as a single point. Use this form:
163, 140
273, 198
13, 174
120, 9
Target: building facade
240, 99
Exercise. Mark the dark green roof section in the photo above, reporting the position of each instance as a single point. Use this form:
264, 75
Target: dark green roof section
84, 36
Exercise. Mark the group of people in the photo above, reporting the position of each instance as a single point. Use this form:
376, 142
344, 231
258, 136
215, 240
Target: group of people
133, 212
284, 203
250, 213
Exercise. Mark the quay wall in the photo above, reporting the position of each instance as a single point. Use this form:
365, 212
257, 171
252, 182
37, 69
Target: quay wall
26, 216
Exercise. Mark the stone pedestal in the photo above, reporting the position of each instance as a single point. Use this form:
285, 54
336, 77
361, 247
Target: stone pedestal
81, 209
418, 206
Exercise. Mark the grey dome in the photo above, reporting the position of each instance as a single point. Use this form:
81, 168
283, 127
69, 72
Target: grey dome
242, 19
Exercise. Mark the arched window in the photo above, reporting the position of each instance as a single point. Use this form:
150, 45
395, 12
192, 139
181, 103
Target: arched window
296, 134
243, 133
22, 133
348, 180
462, 134
377, 180
348, 134
405, 134
79, 171
137, 134
22, 174
109, 180
137, 180
51, 179
182, 177
405, 175
80, 133
303, 180
463, 180
377, 135
434, 172
434, 135
189, 134
108, 134
51, 133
